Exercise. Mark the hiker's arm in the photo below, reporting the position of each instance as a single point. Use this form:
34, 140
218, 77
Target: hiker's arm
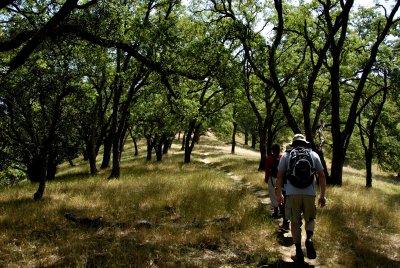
322, 188
278, 186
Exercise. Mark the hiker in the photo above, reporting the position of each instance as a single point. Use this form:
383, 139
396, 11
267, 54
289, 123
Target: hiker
271, 170
301, 192
285, 222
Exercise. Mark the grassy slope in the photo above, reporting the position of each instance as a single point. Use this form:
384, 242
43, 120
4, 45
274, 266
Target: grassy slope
196, 217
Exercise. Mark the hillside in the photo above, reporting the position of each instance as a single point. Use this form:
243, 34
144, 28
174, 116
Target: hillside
210, 213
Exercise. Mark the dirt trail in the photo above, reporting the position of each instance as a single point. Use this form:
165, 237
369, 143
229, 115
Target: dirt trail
286, 248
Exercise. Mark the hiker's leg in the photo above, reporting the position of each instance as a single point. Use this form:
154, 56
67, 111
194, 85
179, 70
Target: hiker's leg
311, 253
283, 206
293, 211
295, 228
309, 226
285, 223
272, 196
309, 214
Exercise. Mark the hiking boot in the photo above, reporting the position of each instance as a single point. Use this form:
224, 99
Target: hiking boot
299, 257
282, 210
285, 225
275, 215
311, 253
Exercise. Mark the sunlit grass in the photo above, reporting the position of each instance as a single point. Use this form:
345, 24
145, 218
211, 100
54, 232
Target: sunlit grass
172, 214
197, 215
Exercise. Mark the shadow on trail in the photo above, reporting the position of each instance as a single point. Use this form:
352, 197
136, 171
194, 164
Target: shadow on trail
286, 241
285, 264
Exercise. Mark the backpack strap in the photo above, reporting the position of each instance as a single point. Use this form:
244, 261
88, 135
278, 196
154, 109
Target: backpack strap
313, 169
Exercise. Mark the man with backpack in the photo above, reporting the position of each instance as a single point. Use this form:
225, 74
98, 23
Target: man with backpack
299, 167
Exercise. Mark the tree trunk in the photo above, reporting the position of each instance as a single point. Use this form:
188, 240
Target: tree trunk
149, 148
246, 137
116, 151
188, 150
253, 141
107, 152
167, 145
51, 170
263, 148
368, 166
52, 164
37, 173
91, 153
136, 146
234, 137
159, 151
183, 141
338, 157
40, 191
116, 167
134, 141
192, 137
118, 122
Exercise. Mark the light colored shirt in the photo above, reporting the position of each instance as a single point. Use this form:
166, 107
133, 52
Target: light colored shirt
292, 190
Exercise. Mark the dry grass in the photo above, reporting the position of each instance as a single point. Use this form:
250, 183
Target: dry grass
169, 214
162, 214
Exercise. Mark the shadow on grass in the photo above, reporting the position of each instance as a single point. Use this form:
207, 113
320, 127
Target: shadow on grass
374, 259
360, 173
17, 202
361, 245
394, 201
81, 175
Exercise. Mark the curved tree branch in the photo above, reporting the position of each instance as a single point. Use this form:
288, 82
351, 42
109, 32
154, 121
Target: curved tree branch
40, 35
153, 65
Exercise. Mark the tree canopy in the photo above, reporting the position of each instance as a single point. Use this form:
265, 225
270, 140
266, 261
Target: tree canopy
80, 75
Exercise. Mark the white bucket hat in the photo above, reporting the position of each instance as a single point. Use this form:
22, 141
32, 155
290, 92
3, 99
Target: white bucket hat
299, 138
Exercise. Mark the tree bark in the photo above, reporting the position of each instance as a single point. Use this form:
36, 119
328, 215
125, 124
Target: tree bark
107, 152
234, 137
91, 150
159, 151
136, 147
338, 157
192, 137
149, 148
38, 195
183, 141
166, 146
246, 138
190, 133
37, 173
51, 170
253, 141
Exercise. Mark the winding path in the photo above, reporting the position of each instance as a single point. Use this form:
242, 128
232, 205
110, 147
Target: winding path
286, 248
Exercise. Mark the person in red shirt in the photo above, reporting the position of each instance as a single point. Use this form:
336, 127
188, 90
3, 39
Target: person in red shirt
271, 171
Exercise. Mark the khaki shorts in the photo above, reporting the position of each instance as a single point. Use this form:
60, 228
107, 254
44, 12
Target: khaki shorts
296, 205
